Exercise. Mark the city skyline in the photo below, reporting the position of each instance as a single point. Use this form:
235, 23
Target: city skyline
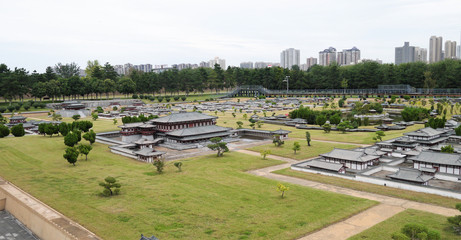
41, 34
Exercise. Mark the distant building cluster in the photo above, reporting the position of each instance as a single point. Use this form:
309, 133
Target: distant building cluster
126, 68
408, 54
437, 52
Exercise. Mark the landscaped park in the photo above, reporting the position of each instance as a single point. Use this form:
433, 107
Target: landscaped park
211, 197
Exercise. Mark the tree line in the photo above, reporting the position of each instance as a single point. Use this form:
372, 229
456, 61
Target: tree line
62, 81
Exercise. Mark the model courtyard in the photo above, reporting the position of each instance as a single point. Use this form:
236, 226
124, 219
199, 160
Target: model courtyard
212, 197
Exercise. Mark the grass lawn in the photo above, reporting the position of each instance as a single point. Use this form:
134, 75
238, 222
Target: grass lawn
385, 229
100, 125
227, 120
211, 199
315, 149
373, 188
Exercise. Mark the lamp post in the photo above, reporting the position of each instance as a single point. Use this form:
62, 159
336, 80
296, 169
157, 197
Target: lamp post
287, 79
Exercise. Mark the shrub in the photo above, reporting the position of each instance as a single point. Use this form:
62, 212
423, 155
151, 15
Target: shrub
414, 114
4, 131
71, 155
176, 98
111, 187
183, 98
2, 109
135, 96
18, 130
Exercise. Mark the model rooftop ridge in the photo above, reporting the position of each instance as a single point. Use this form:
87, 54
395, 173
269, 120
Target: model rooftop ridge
183, 117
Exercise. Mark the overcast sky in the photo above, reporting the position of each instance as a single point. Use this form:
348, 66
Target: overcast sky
36, 34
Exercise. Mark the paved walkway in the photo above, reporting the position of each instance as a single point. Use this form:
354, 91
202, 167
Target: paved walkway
388, 207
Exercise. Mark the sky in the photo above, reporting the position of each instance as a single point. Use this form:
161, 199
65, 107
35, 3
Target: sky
37, 34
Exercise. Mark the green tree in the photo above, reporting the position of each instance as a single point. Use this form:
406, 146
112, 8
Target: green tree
233, 115
343, 126
264, 153
71, 139
320, 120
326, 127
458, 131
18, 130
71, 155
245, 116
115, 121
282, 188
95, 116
296, 147
56, 117
178, 164
379, 136
456, 220
218, 145
277, 140
90, 136
240, 124
4, 131
51, 129
111, 186
447, 149
308, 138
85, 149
259, 123
159, 164
76, 117
63, 129
429, 82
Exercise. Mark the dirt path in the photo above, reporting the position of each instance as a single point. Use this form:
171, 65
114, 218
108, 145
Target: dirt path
342, 230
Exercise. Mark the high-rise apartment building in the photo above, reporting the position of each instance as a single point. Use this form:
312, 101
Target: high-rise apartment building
327, 56
405, 54
311, 62
289, 58
450, 50
435, 49
340, 58
420, 54
247, 65
348, 56
217, 60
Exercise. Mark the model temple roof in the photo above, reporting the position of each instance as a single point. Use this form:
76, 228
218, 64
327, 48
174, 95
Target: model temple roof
185, 132
183, 117
424, 132
323, 165
412, 175
148, 152
438, 158
350, 155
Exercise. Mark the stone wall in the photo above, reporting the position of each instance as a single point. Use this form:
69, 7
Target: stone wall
42, 220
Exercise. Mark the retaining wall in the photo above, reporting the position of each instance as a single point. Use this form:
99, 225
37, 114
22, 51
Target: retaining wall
43, 221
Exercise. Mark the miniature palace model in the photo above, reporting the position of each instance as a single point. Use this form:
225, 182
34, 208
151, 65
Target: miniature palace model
188, 127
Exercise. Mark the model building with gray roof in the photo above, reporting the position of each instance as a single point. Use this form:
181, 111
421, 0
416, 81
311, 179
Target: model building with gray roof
185, 127
357, 160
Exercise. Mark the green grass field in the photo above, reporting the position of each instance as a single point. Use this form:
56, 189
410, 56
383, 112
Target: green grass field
373, 188
227, 120
315, 149
211, 199
384, 230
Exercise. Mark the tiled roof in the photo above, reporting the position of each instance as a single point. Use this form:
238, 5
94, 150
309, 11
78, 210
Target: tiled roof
183, 117
412, 175
425, 132
197, 131
349, 155
323, 165
438, 158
